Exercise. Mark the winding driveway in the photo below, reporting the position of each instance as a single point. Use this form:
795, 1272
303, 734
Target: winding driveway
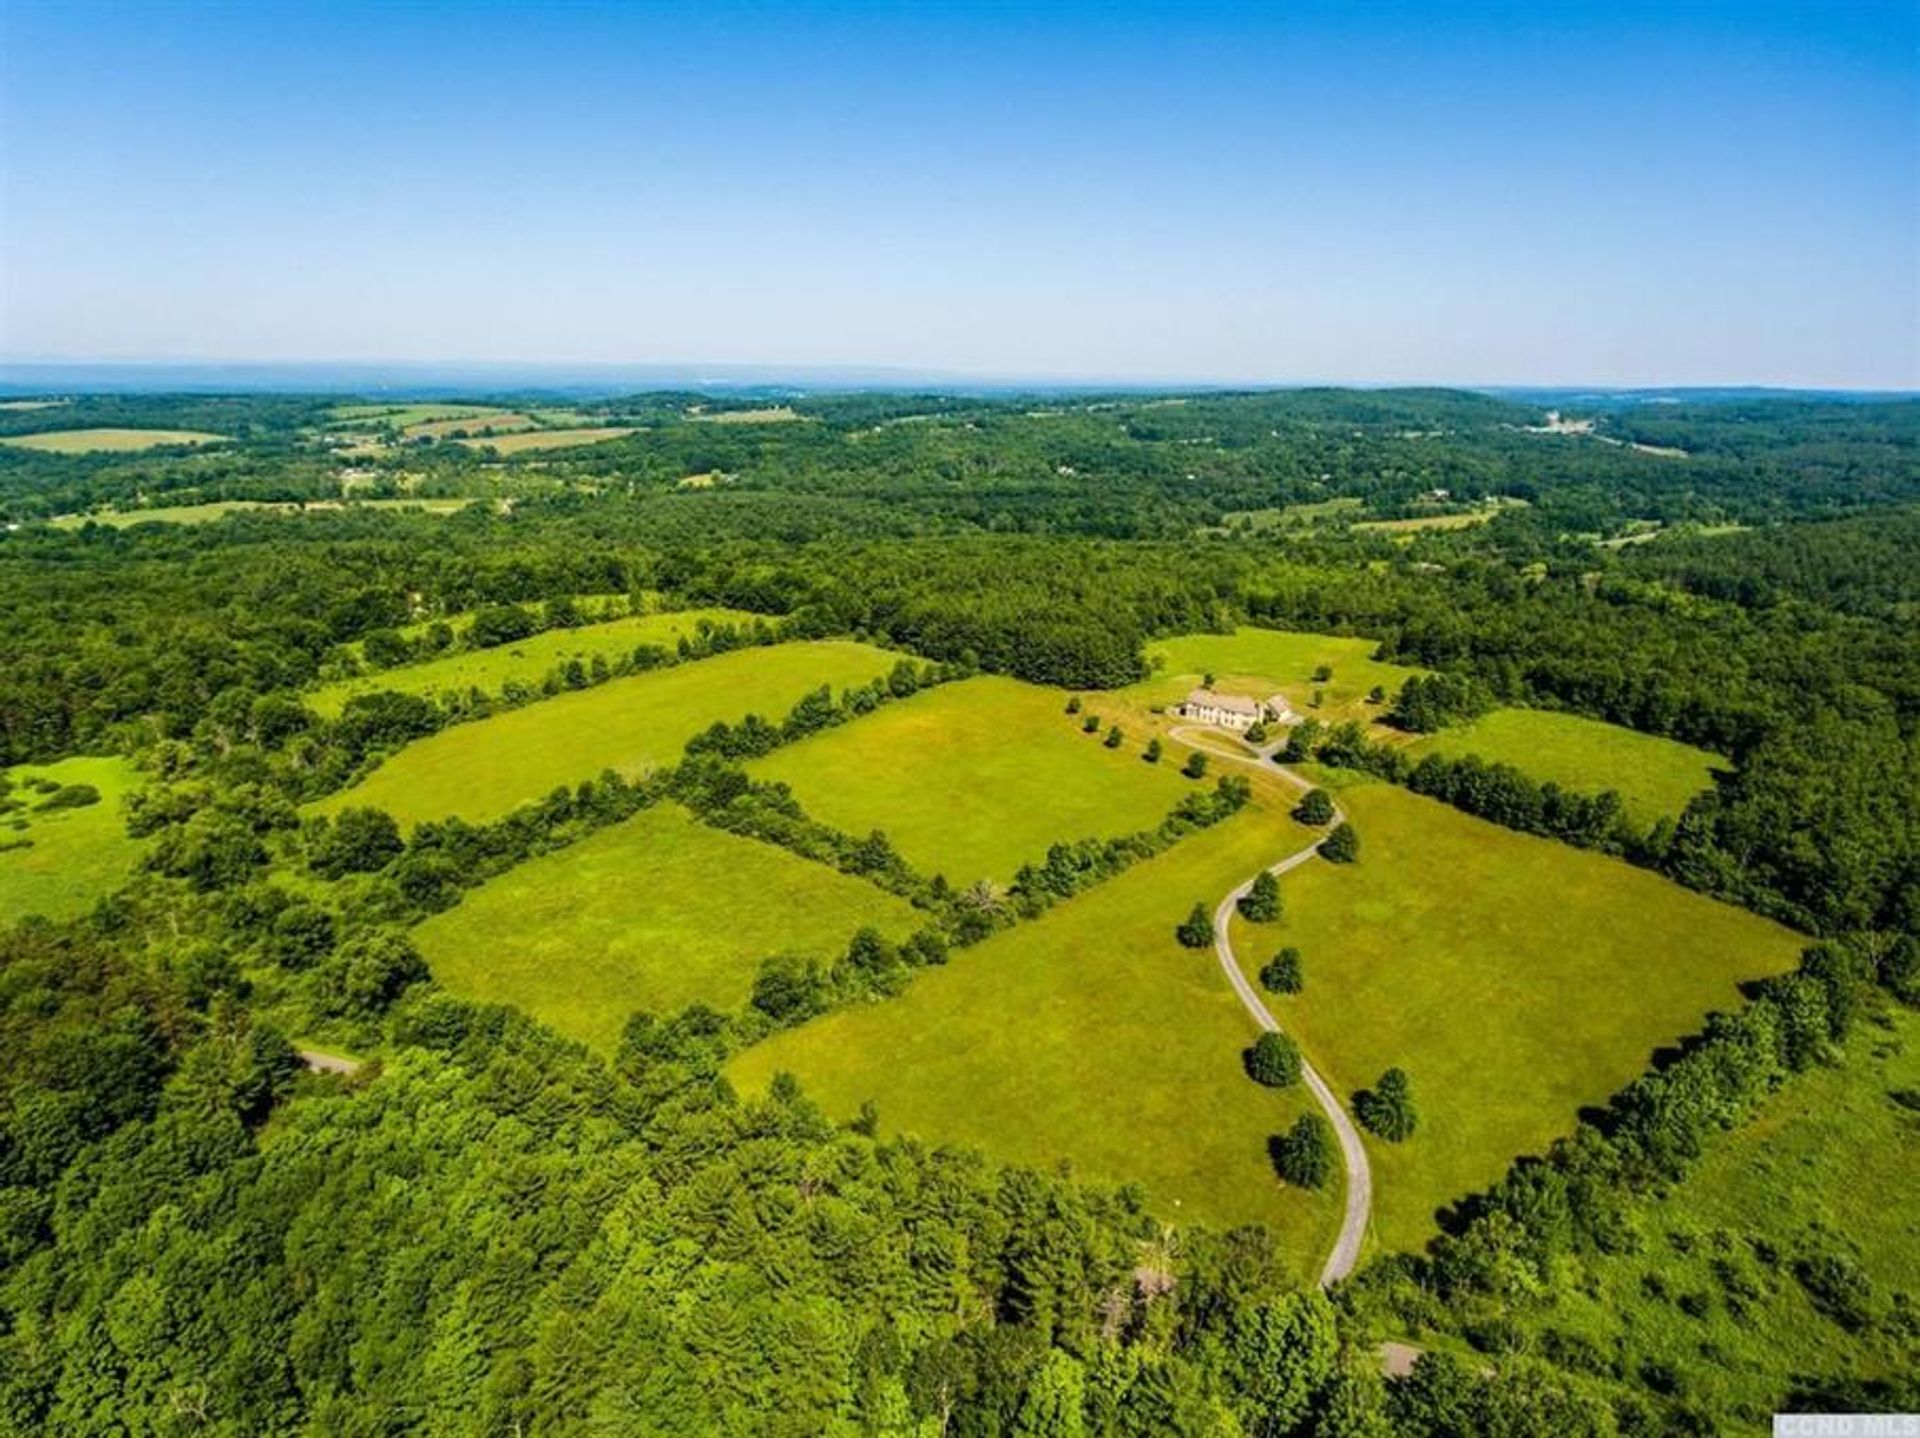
1353, 1226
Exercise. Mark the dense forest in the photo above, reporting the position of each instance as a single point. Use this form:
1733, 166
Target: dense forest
490, 1230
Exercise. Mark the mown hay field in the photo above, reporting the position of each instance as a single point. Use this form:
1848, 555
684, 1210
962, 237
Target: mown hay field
655, 913
526, 661
483, 769
1515, 979
95, 441
1087, 1036
975, 778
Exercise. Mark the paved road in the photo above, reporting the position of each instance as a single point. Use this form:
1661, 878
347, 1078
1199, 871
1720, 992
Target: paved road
1353, 1226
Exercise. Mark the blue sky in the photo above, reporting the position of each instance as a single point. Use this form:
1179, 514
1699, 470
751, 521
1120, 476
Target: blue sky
1547, 193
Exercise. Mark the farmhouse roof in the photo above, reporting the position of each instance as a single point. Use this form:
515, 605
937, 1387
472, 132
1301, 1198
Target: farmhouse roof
1232, 703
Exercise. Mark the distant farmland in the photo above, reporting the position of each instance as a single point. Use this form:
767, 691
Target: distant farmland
531, 439
94, 441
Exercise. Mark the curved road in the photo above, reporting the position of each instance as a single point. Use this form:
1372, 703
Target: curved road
1353, 1226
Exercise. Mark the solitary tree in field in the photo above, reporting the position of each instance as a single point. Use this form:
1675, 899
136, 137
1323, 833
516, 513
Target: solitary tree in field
1282, 973
1261, 903
1342, 845
1387, 1108
1274, 1060
1152, 752
1315, 808
1304, 1153
1073, 704
1206, 681
1113, 739
1090, 724
1377, 694
1196, 931
1196, 765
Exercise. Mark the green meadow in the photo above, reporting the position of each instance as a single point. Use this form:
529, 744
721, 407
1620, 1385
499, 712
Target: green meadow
483, 769
1654, 777
220, 508
973, 779
1259, 662
654, 913
532, 439
1515, 979
94, 441
72, 856
1087, 1036
526, 660
1826, 1168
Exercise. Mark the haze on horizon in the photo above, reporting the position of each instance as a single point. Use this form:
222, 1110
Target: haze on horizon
1575, 194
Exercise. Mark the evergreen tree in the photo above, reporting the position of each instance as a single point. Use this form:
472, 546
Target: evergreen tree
1152, 752
1282, 973
1315, 807
1113, 739
1273, 1060
1261, 903
1196, 930
1342, 846
1387, 1108
1196, 765
1303, 1155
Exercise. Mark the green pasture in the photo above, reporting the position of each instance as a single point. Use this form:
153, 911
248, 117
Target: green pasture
1087, 1036
1260, 662
1825, 1168
1655, 777
405, 415
526, 660
75, 856
1515, 979
95, 441
533, 439
974, 779
220, 508
483, 769
654, 913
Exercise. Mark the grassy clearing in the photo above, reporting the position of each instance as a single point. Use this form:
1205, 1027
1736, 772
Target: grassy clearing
219, 509
1088, 1035
93, 441
1458, 519
1827, 1166
482, 770
547, 439
976, 778
528, 660
1655, 777
1260, 662
655, 913
76, 855
405, 415
499, 421
1515, 979
767, 414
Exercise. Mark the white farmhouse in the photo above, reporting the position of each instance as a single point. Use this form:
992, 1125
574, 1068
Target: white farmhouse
1235, 711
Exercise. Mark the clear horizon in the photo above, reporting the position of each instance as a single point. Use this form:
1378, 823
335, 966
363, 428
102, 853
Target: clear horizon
1477, 196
